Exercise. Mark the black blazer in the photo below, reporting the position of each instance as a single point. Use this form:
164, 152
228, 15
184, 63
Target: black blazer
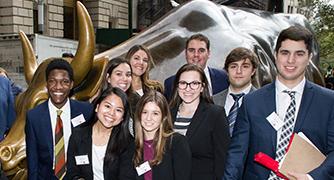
208, 137
81, 144
176, 162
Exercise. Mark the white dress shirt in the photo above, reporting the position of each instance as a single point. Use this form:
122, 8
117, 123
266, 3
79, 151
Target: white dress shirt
230, 101
283, 102
207, 75
98, 154
66, 118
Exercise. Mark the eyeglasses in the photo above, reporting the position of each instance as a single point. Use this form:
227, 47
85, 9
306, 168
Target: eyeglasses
194, 85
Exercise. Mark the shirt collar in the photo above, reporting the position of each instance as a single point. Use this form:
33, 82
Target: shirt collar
53, 108
299, 88
245, 91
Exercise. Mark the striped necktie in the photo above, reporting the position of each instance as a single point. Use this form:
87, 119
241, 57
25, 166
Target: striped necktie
232, 115
287, 130
60, 164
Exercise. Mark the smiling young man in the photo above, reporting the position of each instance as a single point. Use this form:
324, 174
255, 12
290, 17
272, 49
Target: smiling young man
197, 52
49, 125
299, 106
240, 65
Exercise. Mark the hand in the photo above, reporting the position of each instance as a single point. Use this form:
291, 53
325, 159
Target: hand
298, 176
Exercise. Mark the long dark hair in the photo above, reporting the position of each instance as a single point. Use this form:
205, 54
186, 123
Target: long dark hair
112, 64
205, 95
120, 136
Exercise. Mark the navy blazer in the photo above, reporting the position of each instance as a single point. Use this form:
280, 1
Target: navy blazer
219, 82
208, 137
176, 161
81, 144
39, 140
253, 133
7, 106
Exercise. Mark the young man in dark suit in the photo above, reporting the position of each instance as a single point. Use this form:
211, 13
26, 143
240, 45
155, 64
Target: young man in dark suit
198, 52
46, 148
296, 103
240, 65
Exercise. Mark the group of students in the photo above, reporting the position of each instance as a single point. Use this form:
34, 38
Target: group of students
131, 130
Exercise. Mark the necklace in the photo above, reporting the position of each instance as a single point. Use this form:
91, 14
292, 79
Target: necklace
148, 143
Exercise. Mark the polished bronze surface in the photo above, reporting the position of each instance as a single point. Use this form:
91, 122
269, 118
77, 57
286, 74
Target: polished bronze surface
227, 28
12, 148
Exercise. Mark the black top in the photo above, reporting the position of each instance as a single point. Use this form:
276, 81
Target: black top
208, 137
176, 162
81, 144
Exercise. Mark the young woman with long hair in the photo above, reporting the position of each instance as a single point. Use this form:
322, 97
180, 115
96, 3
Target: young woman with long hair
203, 123
141, 62
103, 149
119, 74
166, 152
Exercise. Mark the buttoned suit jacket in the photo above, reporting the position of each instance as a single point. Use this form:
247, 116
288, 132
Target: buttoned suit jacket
208, 138
219, 82
39, 138
220, 98
253, 133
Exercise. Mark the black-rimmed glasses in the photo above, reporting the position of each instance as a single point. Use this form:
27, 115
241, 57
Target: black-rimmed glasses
194, 85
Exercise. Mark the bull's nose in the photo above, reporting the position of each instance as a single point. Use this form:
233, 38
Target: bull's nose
5, 153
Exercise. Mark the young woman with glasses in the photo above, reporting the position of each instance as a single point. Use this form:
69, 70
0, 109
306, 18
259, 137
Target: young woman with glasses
203, 123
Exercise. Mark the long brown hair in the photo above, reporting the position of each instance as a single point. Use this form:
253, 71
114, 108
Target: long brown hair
147, 83
205, 95
165, 130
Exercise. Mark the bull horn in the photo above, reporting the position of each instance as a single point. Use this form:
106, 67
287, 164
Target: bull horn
29, 59
83, 60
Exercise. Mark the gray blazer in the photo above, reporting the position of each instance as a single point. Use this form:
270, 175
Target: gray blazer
220, 98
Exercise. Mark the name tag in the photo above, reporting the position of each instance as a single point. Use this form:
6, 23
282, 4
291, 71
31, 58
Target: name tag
78, 120
275, 121
143, 168
81, 160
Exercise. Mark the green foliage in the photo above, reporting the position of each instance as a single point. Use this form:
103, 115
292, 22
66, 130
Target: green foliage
323, 25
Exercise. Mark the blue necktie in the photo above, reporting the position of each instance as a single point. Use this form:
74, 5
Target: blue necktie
232, 115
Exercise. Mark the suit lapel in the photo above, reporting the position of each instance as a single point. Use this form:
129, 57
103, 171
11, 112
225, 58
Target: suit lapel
86, 143
224, 95
304, 105
46, 120
196, 120
270, 106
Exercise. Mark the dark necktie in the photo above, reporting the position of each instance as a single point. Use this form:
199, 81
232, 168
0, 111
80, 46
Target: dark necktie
60, 168
232, 115
287, 130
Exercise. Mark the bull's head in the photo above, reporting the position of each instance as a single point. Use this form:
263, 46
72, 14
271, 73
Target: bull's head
12, 148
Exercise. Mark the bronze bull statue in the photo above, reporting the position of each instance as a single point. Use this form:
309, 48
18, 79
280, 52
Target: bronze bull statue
226, 28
